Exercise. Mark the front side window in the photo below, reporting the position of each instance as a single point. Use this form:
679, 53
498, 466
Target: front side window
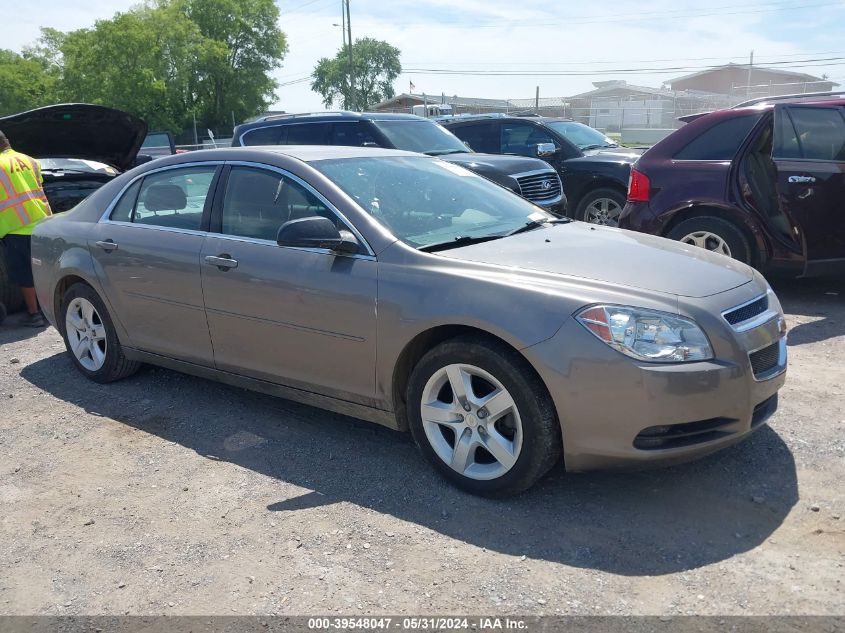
719, 142
820, 133
481, 137
522, 138
352, 135
424, 201
258, 202
174, 198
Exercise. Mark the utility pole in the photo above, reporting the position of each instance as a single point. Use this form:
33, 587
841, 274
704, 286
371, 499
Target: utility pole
352, 100
748, 81
537, 100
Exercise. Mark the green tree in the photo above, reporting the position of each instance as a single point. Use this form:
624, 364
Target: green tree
170, 60
26, 83
375, 67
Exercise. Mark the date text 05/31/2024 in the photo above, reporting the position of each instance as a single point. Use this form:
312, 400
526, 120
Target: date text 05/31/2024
415, 624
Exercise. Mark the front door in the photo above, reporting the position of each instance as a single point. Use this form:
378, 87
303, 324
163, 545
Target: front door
809, 154
148, 258
305, 318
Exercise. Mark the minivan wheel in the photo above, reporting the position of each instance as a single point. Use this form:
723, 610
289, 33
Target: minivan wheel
90, 336
713, 234
601, 206
482, 417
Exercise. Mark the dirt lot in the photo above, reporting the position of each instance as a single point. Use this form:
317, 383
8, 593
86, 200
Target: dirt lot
170, 494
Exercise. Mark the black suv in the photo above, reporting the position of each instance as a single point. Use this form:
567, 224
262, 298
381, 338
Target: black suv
594, 169
529, 177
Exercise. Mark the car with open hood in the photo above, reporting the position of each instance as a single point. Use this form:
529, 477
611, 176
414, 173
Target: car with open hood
412, 292
79, 147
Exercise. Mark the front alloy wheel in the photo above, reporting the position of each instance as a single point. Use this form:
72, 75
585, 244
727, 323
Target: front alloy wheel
471, 421
481, 415
707, 240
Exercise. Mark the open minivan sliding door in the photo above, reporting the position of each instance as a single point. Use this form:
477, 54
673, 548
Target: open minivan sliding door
809, 156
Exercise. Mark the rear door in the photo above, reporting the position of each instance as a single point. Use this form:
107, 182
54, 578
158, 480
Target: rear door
147, 251
301, 317
809, 154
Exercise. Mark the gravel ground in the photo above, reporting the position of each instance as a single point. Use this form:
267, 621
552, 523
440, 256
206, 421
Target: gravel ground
167, 494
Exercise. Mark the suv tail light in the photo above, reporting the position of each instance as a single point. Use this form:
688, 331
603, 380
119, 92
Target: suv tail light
638, 187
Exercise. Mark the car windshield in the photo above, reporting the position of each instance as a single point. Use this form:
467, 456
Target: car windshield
426, 202
580, 135
426, 137
77, 165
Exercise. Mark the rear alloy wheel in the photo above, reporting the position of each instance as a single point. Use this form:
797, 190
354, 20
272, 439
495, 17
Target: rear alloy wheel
481, 416
90, 336
713, 234
601, 206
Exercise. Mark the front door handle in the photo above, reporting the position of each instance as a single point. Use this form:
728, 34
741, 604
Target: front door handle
107, 245
802, 179
223, 262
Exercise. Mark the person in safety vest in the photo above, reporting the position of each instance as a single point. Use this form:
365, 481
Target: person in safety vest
22, 206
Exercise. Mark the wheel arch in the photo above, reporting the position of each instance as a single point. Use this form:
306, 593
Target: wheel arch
418, 346
61, 287
601, 182
749, 227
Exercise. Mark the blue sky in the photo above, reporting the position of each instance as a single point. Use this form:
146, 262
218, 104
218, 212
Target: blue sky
526, 36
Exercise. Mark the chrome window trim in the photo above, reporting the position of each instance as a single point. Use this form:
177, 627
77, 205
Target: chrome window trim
105, 219
167, 229
317, 194
262, 242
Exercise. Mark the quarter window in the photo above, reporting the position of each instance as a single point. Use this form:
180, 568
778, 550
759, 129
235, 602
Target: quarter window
258, 202
481, 137
720, 142
820, 133
263, 136
174, 198
306, 134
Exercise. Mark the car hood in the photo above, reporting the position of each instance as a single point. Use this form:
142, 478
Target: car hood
508, 164
77, 130
614, 256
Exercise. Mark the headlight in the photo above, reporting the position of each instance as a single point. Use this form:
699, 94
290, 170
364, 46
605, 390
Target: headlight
647, 334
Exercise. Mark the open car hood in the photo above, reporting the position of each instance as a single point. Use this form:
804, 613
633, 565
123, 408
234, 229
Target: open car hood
77, 130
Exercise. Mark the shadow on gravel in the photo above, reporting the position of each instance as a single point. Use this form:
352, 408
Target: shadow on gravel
822, 297
634, 524
11, 332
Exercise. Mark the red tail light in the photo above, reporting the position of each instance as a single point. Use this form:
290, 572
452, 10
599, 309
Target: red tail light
638, 187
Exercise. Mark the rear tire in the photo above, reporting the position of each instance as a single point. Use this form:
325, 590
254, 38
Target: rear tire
90, 336
458, 425
714, 234
10, 294
601, 206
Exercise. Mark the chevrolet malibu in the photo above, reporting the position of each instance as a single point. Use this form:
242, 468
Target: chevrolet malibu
411, 292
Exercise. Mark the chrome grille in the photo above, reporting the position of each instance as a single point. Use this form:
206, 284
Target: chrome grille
540, 186
765, 359
747, 311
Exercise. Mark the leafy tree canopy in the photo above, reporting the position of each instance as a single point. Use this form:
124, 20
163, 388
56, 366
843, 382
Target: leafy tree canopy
375, 67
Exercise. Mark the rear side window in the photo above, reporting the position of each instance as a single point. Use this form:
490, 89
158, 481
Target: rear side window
481, 137
263, 136
814, 133
306, 134
720, 142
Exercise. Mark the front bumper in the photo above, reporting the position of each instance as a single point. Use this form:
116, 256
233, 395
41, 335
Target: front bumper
615, 412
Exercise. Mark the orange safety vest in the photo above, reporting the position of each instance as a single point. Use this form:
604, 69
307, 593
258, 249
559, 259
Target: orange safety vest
22, 200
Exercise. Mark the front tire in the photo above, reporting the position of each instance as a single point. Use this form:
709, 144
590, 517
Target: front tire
601, 206
482, 417
90, 336
713, 234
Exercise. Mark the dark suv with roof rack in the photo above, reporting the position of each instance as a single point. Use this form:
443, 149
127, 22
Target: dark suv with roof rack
529, 177
593, 168
762, 182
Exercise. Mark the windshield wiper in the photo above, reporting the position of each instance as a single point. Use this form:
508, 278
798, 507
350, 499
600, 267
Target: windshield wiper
443, 152
460, 240
536, 224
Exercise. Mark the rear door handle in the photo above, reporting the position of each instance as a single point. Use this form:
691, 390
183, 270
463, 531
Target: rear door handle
223, 262
107, 245
803, 179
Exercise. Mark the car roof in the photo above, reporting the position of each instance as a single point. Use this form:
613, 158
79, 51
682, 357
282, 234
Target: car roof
304, 153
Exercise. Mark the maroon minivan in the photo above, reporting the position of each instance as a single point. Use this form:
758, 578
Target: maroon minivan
763, 182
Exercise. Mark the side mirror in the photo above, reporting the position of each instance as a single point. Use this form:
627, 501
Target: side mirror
317, 232
545, 149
